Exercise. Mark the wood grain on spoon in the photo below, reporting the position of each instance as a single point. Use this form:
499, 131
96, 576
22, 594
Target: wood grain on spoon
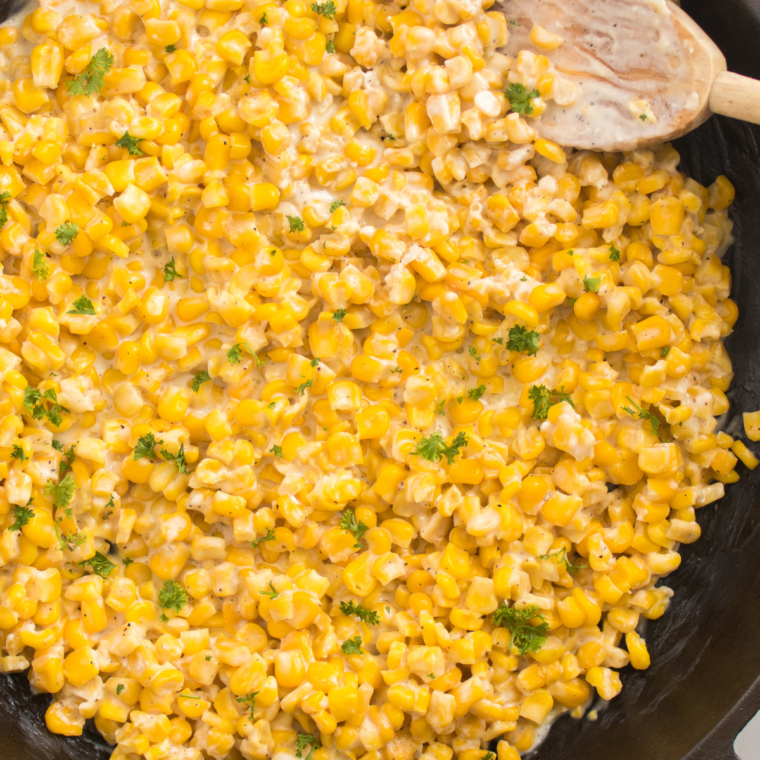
621, 53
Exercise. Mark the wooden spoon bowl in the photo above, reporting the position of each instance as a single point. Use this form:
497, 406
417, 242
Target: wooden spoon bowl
645, 72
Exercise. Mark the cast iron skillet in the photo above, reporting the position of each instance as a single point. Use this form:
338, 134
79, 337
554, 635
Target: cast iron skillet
704, 682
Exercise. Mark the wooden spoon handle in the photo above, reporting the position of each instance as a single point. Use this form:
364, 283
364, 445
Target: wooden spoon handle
736, 96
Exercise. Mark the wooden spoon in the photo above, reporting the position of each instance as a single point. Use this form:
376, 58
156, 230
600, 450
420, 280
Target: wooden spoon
645, 72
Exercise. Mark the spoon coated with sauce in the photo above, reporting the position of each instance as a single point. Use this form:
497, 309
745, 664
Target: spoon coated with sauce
644, 72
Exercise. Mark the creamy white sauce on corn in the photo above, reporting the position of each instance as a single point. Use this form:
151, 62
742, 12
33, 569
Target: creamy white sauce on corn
319, 262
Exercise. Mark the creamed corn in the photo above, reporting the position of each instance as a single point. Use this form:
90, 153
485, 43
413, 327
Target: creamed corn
319, 368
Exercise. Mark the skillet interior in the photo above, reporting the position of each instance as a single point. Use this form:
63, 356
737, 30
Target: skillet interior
704, 650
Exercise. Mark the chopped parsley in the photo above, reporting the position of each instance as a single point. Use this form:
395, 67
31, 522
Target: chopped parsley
543, 399
476, 393
21, 517
277, 451
365, 615
665, 351
330, 46
339, 314
249, 700
439, 407
303, 386
40, 268
198, 379
335, 206
560, 556
522, 340
614, 253
130, 143
233, 354
591, 284
314, 362
474, 354
100, 565
83, 306
296, 223
92, 79
273, 593
178, 458
328, 9
352, 646
519, 98
263, 20
33, 399
119, 689
18, 453
171, 48
268, 537
303, 741
68, 458
5, 199
170, 271
434, 447
61, 493
500, 341
644, 414
145, 446
525, 637
172, 596
348, 522
643, 116
66, 232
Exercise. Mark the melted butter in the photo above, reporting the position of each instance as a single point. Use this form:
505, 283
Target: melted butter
636, 66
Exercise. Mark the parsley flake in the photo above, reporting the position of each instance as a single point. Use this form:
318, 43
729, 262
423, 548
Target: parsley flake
523, 341
591, 284
40, 268
170, 271
476, 393
100, 565
172, 596
130, 143
519, 98
303, 386
303, 741
268, 537
365, 615
665, 351
339, 315
644, 414
21, 517
296, 223
273, 593
83, 306
178, 458
352, 646
434, 447
330, 46
277, 451
560, 557
92, 79
614, 253
198, 379
249, 700
5, 199
543, 399
18, 453
61, 493
335, 206
145, 446
328, 9
348, 522
525, 637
